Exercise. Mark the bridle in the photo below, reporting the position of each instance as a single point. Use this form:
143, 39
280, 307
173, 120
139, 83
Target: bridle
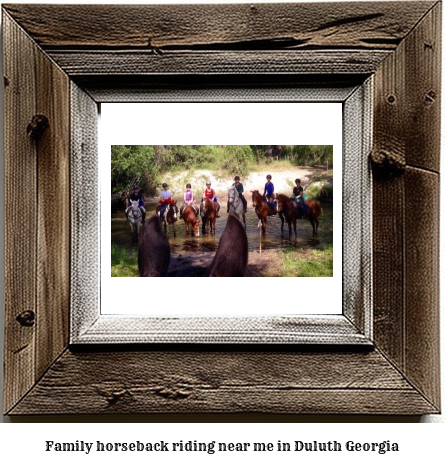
135, 212
236, 199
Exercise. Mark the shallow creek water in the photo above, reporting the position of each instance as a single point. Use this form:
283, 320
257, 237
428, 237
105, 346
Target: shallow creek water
188, 245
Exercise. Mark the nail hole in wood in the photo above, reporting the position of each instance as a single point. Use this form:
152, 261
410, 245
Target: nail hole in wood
26, 318
37, 126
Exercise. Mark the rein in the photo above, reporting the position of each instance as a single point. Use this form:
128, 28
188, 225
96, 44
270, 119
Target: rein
236, 200
135, 217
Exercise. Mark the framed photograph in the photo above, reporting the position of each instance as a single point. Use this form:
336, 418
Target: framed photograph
367, 341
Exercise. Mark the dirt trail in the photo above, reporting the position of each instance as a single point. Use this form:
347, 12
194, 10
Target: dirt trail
283, 181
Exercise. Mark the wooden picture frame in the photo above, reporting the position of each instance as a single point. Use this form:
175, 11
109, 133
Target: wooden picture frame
56, 72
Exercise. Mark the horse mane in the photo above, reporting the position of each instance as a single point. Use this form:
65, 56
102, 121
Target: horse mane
284, 199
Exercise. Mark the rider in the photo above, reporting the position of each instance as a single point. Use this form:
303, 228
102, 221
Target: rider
240, 188
299, 196
136, 195
189, 199
209, 193
166, 198
269, 193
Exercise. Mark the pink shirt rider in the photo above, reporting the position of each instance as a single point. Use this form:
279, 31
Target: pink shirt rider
189, 197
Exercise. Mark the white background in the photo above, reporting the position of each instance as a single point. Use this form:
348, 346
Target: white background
222, 123
23, 442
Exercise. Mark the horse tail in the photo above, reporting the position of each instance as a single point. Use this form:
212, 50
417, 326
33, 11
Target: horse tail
315, 207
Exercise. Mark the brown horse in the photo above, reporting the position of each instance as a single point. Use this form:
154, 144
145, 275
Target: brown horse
191, 220
170, 216
262, 209
208, 214
230, 259
292, 211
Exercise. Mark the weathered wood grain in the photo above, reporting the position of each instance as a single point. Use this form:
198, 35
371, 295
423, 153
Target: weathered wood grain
78, 63
218, 88
399, 42
389, 143
357, 230
109, 329
20, 212
406, 276
53, 208
423, 91
222, 382
422, 364
85, 241
275, 26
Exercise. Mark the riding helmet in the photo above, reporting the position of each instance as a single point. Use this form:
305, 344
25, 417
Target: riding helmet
189, 186
135, 187
164, 184
236, 178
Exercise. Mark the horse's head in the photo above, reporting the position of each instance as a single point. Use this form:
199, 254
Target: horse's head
256, 198
207, 206
173, 210
232, 194
280, 201
230, 259
134, 205
195, 227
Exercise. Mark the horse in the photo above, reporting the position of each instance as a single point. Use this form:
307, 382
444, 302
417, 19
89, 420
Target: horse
291, 211
191, 219
236, 205
153, 250
134, 220
208, 215
170, 216
230, 259
262, 209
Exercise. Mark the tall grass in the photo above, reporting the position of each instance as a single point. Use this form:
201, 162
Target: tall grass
123, 262
308, 263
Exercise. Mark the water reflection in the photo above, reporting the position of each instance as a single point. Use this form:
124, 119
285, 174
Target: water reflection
120, 233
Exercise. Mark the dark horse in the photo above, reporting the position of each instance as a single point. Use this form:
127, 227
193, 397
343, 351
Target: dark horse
292, 211
170, 216
262, 209
208, 214
191, 220
230, 259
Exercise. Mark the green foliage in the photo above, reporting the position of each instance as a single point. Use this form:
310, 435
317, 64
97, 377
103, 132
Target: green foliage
123, 262
132, 164
310, 155
311, 263
237, 159
145, 164
321, 186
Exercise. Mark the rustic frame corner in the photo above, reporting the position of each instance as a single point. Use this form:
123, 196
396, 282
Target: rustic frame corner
49, 71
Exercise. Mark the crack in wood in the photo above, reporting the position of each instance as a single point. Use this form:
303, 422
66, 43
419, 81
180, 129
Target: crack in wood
172, 393
352, 19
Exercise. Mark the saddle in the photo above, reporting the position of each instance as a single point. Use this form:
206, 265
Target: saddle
303, 210
272, 207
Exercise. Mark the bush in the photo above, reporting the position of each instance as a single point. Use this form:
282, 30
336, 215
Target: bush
320, 191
